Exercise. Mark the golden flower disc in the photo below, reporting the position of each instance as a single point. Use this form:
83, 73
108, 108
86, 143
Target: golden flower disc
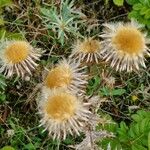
58, 77
61, 107
128, 40
17, 51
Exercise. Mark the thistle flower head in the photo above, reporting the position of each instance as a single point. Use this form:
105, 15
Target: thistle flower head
62, 113
18, 57
125, 46
87, 50
66, 74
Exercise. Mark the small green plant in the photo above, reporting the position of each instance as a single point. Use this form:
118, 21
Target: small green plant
7, 148
3, 3
93, 85
2, 88
112, 92
134, 136
63, 21
2, 82
3, 32
118, 2
140, 11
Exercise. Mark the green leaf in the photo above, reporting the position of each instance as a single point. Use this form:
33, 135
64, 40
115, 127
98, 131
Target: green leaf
131, 132
147, 14
15, 36
66, 10
93, 85
7, 148
122, 132
141, 114
137, 6
2, 22
68, 141
118, 92
145, 2
4, 3
114, 144
112, 92
138, 147
2, 82
149, 141
132, 2
143, 10
11, 35
123, 126
50, 14
118, 2
46, 12
106, 2
133, 14
2, 97
137, 129
136, 117
2, 33
30, 146
144, 124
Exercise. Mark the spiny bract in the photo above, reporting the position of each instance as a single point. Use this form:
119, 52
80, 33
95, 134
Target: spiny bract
87, 50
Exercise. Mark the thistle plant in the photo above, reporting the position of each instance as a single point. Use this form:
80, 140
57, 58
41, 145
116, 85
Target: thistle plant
125, 46
62, 113
67, 74
88, 50
18, 57
64, 106
64, 22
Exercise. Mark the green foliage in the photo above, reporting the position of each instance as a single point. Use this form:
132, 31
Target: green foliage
118, 2
2, 82
149, 141
3, 31
112, 92
27, 138
7, 148
2, 88
140, 11
93, 85
64, 21
134, 136
10, 35
4, 3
